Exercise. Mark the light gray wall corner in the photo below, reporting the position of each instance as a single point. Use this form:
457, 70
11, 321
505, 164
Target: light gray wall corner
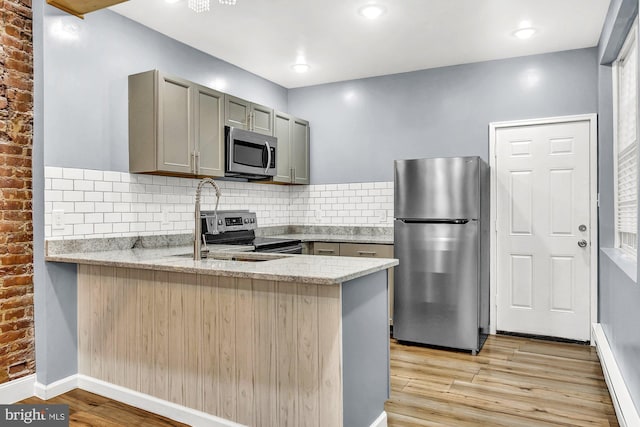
359, 127
37, 165
54, 284
85, 82
365, 348
619, 19
60, 322
606, 211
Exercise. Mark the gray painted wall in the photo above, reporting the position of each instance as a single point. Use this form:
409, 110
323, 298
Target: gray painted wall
359, 127
55, 295
365, 349
619, 292
85, 84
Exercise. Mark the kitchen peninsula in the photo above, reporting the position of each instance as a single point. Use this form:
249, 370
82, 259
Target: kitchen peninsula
258, 339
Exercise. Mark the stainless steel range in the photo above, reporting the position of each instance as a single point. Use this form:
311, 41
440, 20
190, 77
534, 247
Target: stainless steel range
238, 228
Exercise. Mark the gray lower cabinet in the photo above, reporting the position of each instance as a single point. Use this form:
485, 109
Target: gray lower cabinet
243, 114
292, 160
174, 126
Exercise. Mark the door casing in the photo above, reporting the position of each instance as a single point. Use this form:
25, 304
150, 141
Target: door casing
593, 206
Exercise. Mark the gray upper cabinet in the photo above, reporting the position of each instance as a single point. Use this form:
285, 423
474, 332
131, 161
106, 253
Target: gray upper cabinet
174, 126
209, 131
246, 115
300, 151
282, 131
292, 160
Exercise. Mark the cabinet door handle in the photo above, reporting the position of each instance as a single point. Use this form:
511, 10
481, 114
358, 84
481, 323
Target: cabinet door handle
194, 168
367, 252
326, 251
197, 163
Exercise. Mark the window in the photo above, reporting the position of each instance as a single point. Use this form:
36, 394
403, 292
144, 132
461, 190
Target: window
625, 82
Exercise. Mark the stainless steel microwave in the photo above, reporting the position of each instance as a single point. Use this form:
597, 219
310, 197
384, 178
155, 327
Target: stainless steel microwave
249, 154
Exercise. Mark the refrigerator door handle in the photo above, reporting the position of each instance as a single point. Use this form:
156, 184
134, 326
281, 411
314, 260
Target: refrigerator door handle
460, 221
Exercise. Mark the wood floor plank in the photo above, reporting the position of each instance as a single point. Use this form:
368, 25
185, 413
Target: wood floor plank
91, 410
399, 420
563, 383
569, 351
543, 398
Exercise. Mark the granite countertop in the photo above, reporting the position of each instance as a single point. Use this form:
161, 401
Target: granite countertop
322, 270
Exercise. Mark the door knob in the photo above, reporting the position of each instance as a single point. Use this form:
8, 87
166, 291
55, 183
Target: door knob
582, 243
582, 227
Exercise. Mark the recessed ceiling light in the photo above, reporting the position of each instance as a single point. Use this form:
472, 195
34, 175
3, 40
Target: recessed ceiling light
524, 33
300, 68
372, 11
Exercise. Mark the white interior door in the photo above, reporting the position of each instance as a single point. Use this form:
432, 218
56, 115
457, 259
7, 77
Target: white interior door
543, 229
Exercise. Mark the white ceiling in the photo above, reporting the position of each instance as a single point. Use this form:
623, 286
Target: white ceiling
265, 37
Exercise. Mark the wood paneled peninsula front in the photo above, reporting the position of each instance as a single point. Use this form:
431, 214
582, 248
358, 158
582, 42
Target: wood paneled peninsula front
294, 340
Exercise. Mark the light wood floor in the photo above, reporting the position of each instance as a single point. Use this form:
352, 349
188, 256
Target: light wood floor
512, 382
90, 410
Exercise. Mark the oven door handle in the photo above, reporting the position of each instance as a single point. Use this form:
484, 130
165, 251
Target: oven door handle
266, 167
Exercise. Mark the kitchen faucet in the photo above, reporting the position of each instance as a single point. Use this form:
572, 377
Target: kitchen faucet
197, 238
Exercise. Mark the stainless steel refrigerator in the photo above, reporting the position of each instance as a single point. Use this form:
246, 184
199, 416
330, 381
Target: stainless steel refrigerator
441, 237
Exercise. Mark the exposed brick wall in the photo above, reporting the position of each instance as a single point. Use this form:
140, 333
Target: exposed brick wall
17, 355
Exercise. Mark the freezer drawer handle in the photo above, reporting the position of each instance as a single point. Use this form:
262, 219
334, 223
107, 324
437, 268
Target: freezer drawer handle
326, 251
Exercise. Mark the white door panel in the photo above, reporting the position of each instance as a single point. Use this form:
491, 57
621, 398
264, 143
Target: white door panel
543, 276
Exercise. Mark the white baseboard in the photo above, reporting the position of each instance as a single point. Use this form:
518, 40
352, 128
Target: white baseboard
153, 404
381, 421
625, 409
57, 388
16, 390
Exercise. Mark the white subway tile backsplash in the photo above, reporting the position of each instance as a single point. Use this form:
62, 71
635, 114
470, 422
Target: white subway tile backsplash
52, 172
107, 203
52, 196
73, 196
103, 228
61, 184
94, 218
74, 218
103, 186
70, 173
87, 207
82, 185
122, 227
103, 207
128, 217
121, 187
93, 175
112, 176
82, 229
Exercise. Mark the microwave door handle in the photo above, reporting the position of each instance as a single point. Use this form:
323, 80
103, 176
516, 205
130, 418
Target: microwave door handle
266, 169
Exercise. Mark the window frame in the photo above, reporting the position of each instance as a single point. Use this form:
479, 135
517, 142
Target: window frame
631, 42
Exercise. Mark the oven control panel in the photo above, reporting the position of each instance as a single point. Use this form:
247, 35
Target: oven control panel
240, 220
